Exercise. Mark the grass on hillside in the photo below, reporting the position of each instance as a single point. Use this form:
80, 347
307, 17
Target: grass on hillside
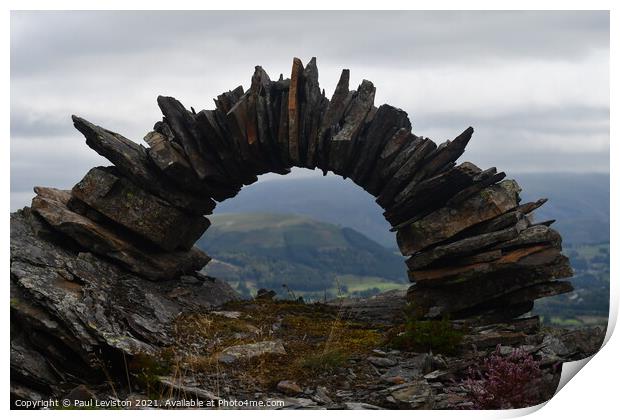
347, 285
319, 340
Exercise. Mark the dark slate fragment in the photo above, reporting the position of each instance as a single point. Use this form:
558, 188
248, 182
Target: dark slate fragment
545, 223
402, 141
355, 116
518, 261
164, 129
533, 235
151, 263
504, 220
441, 224
260, 102
494, 314
131, 160
485, 256
484, 179
227, 100
446, 183
268, 126
138, 211
444, 155
393, 147
314, 106
338, 152
241, 122
387, 121
464, 247
170, 158
445, 168
212, 136
403, 173
217, 186
342, 146
205, 146
331, 119
235, 124
260, 79
432, 193
183, 125
230, 129
523, 268
316, 148
294, 103
531, 293
283, 129
221, 191
275, 104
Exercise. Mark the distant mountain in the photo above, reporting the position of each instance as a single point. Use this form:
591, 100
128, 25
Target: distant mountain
312, 255
268, 250
579, 202
327, 199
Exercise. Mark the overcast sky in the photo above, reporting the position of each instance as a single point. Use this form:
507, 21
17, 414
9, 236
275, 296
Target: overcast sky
534, 85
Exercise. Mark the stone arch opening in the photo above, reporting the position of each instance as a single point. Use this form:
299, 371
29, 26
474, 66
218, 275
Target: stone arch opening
303, 234
472, 247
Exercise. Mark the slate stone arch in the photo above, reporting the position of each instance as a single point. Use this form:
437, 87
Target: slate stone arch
472, 247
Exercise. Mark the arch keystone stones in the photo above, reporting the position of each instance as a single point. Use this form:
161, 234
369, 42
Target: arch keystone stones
472, 248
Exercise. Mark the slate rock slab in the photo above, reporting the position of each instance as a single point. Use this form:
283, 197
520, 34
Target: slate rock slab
139, 211
243, 352
152, 263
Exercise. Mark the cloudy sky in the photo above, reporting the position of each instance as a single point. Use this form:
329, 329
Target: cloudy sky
534, 85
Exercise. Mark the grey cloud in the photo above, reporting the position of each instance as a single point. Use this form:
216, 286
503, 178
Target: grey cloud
24, 123
533, 84
42, 40
535, 162
50, 161
570, 119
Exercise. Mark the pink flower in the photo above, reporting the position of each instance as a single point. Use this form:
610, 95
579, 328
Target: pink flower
502, 382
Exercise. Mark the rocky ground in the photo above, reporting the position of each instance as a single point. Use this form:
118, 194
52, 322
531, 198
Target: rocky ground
322, 356
84, 329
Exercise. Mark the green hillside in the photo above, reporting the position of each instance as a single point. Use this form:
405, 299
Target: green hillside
588, 304
579, 203
254, 250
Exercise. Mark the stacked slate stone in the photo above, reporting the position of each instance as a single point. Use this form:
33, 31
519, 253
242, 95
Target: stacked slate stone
472, 246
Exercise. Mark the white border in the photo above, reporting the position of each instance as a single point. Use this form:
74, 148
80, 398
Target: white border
592, 395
